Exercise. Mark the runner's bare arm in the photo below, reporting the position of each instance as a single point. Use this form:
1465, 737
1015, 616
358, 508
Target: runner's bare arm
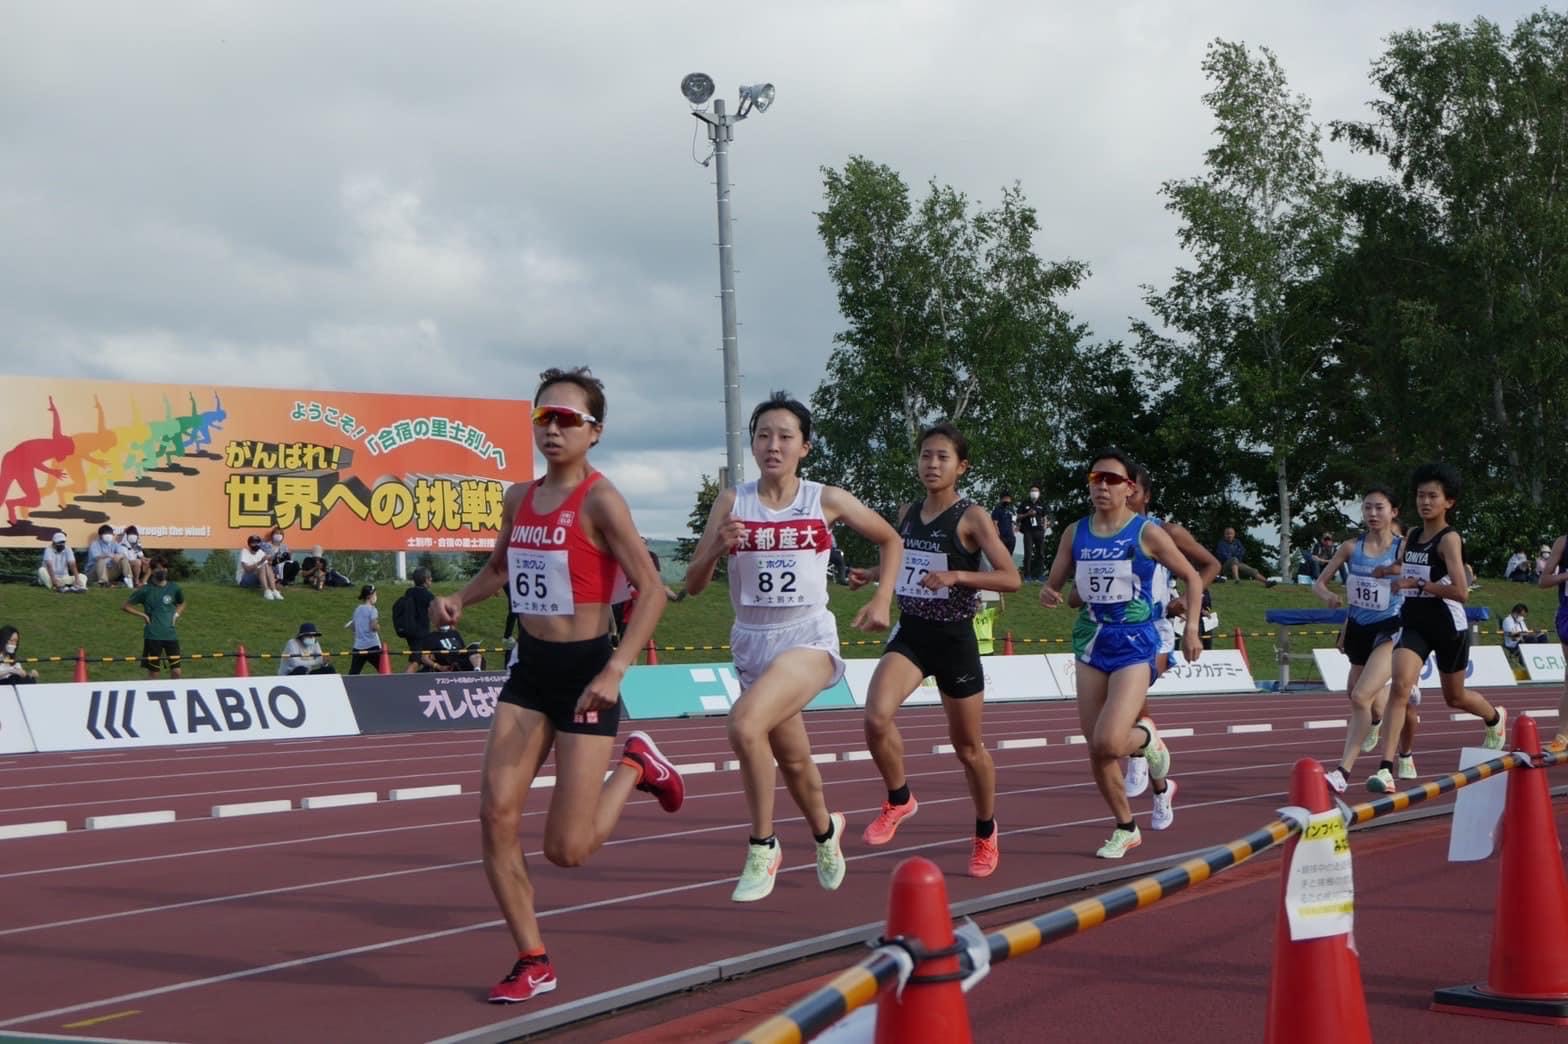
721, 533
978, 527
1319, 586
840, 505
1163, 550
861, 576
1550, 575
1061, 565
448, 609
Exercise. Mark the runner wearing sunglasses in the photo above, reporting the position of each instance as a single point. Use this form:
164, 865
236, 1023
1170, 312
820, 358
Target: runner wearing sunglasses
1430, 572
938, 589
569, 543
775, 534
1114, 554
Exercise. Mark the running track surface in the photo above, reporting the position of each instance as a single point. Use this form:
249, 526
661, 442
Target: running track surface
374, 921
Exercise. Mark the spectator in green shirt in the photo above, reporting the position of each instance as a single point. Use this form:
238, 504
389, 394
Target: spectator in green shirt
160, 604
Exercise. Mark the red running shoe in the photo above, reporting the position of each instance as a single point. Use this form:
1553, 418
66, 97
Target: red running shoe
529, 977
659, 777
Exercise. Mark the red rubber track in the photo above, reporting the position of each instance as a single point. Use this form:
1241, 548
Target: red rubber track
375, 922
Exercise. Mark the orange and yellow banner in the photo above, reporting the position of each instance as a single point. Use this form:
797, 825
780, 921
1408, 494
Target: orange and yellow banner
197, 466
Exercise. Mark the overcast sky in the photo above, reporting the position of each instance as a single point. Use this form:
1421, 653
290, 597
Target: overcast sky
453, 196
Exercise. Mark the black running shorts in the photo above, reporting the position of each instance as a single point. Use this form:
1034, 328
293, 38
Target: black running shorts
1361, 639
948, 653
549, 677
1437, 637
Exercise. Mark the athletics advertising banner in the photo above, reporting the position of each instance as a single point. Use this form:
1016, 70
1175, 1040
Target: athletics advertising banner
15, 737
1488, 666
424, 702
198, 466
117, 715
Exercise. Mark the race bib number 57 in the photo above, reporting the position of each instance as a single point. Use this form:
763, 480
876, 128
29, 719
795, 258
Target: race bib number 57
1106, 583
539, 582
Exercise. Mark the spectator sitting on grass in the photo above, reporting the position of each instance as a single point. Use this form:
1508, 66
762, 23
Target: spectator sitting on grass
105, 561
314, 570
255, 571
284, 568
11, 670
302, 653
1518, 569
137, 564
1517, 629
475, 657
57, 570
1231, 552
442, 650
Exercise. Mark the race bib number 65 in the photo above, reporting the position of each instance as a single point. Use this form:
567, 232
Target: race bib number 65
539, 582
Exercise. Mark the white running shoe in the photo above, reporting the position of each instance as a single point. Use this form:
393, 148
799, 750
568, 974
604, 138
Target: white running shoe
1164, 814
1137, 779
757, 877
830, 854
1369, 744
1406, 766
1336, 781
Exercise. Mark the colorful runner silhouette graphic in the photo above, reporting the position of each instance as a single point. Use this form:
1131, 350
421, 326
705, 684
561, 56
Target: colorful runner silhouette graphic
20, 462
91, 449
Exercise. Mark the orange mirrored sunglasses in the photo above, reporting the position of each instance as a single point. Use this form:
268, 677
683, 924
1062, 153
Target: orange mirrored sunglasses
564, 417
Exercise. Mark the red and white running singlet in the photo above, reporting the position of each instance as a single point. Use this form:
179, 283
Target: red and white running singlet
551, 564
779, 571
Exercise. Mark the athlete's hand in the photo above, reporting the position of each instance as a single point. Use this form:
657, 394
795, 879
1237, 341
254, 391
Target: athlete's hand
1387, 570
446, 609
938, 580
732, 533
1191, 643
1332, 601
1050, 597
1175, 607
873, 616
859, 578
603, 692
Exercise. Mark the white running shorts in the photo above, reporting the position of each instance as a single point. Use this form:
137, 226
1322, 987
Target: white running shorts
755, 648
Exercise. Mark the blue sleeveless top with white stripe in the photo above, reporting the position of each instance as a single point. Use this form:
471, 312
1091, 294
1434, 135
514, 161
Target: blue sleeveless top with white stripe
1113, 576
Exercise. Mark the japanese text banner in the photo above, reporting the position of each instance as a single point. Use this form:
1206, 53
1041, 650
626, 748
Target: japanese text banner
198, 466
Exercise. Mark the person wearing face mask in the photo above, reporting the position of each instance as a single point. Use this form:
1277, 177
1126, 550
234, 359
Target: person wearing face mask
302, 653
281, 561
137, 565
160, 604
57, 570
254, 570
11, 671
105, 561
1031, 519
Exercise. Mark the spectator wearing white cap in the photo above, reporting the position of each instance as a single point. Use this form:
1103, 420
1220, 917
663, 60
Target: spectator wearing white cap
58, 570
302, 653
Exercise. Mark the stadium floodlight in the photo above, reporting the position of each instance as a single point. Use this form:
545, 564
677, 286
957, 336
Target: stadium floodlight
697, 87
757, 96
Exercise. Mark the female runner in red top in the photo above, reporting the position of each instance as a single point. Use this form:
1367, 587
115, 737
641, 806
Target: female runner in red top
570, 542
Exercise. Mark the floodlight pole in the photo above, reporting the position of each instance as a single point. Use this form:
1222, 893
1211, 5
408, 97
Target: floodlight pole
721, 131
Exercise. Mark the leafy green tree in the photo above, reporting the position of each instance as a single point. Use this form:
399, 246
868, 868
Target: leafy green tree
951, 314
1474, 123
1247, 327
697, 521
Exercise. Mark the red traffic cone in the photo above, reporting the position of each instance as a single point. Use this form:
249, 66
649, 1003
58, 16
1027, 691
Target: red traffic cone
927, 1010
1527, 980
653, 654
1241, 647
1315, 989
1007, 644
385, 667
241, 663
81, 666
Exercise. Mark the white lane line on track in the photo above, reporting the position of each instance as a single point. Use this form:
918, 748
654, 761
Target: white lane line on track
672, 835
321, 958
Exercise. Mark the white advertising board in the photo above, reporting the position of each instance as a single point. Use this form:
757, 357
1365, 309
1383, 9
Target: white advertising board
1544, 662
15, 738
1007, 679
1217, 670
1488, 666
114, 715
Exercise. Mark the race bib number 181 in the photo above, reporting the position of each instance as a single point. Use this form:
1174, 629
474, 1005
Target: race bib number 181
1368, 592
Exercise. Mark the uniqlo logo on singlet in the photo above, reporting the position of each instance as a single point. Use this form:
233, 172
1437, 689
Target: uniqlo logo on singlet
807, 534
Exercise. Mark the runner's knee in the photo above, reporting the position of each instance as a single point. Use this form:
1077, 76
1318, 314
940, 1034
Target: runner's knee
970, 754
498, 818
568, 850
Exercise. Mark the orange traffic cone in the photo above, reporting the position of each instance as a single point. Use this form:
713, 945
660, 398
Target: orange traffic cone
1007, 644
385, 667
81, 666
241, 663
1527, 980
1315, 989
653, 654
931, 1007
